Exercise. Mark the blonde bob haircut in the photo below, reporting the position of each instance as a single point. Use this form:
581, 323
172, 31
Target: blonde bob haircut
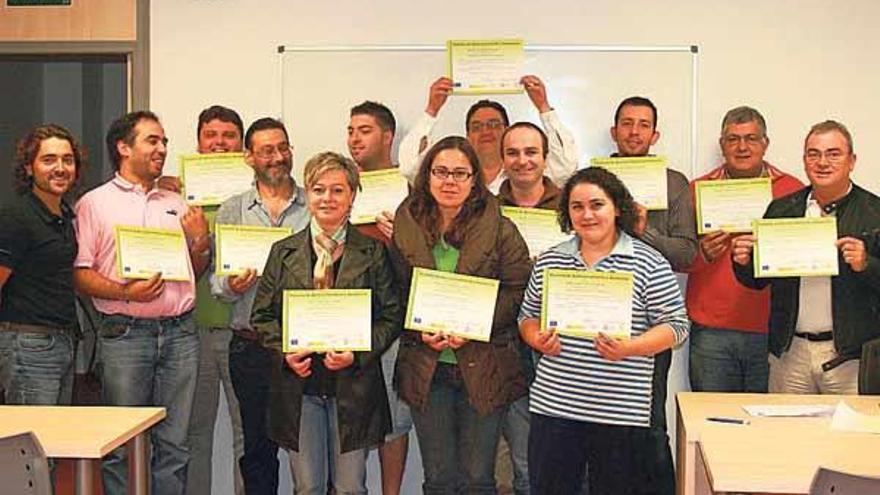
329, 161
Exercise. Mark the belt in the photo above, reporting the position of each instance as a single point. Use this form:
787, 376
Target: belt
167, 320
815, 337
11, 326
247, 334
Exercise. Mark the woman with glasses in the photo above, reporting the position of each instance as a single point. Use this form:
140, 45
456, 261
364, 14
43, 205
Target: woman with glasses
458, 389
591, 398
327, 409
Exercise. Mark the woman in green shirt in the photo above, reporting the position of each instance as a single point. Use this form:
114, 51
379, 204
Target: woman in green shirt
458, 389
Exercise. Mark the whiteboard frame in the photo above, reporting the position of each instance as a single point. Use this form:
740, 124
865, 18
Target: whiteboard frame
692, 49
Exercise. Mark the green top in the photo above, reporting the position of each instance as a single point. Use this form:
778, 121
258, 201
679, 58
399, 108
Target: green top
446, 259
210, 312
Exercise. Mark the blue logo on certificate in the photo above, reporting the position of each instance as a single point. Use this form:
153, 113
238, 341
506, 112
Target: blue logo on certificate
553, 323
416, 319
226, 266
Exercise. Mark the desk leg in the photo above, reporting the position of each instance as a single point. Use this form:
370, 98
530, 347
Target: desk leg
138, 471
85, 476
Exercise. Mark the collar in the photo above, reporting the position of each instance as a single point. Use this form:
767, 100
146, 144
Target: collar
252, 196
571, 247
125, 185
551, 193
832, 207
43, 211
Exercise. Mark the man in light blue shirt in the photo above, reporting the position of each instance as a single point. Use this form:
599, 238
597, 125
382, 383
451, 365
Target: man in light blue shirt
274, 201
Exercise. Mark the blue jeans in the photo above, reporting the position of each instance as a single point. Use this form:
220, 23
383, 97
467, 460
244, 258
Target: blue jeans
320, 457
36, 368
151, 362
723, 360
515, 429
249, 370
457, 444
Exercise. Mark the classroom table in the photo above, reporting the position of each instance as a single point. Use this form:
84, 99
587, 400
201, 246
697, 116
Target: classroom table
86, 434
777, 455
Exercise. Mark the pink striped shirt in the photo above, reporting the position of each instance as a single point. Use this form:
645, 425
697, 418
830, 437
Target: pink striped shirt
119, 202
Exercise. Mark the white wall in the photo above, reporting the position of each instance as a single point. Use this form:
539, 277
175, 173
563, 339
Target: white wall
797, 61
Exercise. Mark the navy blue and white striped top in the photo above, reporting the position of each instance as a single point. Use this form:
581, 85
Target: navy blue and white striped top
580, 384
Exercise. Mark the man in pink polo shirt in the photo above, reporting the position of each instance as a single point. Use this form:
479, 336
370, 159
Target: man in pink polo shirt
149, 347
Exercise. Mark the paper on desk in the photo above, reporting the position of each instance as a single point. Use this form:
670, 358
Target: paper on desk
780, 410
847, 419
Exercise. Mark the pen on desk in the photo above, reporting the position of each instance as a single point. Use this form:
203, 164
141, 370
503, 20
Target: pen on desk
733, 421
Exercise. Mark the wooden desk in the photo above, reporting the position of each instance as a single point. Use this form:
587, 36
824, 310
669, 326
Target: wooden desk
86, 434
769, 455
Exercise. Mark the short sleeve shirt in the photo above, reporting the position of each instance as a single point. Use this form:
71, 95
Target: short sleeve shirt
39, 247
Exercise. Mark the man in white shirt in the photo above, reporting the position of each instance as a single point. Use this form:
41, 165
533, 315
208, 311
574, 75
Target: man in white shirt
485, 122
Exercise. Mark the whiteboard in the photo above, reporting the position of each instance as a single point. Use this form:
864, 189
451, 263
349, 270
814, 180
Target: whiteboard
585, 83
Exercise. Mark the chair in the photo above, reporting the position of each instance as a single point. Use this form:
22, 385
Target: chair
869, 368
828, 482
24, 469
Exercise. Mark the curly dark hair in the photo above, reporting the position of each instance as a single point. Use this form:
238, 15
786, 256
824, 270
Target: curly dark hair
612, 186
28, 148
423, 206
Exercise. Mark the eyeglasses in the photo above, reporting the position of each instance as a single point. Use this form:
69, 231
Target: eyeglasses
833, 155
750, 139
493, 124
458, 175
267, 152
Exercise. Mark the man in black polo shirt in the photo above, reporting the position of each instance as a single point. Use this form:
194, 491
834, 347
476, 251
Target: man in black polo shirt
38, 323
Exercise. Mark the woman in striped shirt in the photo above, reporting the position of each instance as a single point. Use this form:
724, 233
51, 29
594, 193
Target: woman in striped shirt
591, 398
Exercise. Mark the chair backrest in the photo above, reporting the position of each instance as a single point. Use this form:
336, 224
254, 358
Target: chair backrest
828, 482
869, 368
24, 469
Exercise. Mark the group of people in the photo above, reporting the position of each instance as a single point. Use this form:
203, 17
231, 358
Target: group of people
577, 414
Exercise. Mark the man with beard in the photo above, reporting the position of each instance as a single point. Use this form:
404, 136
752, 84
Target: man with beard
274, 201
38, 323
485, 122
149, 348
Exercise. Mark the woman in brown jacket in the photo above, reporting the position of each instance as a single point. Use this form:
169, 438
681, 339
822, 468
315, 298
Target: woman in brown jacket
328, 406
458, 389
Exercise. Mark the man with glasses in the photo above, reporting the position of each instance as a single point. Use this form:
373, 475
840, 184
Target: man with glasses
818, 324
274, 201
485, 122
728, 341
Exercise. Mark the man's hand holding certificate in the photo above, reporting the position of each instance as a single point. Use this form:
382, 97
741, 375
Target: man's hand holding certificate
485, 66
452, 304
327, 320
210, 179
381, 190
795, 247
141, 253
731, 205
240, 247
584, 304
643, 176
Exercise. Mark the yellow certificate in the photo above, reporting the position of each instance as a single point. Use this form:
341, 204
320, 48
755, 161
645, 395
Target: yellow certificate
643, 176
795, 247
210, 179
582, 304
327, 320
731, 205
240, 247
485, 66
454, 304
539, 228
142, 252
381, 190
